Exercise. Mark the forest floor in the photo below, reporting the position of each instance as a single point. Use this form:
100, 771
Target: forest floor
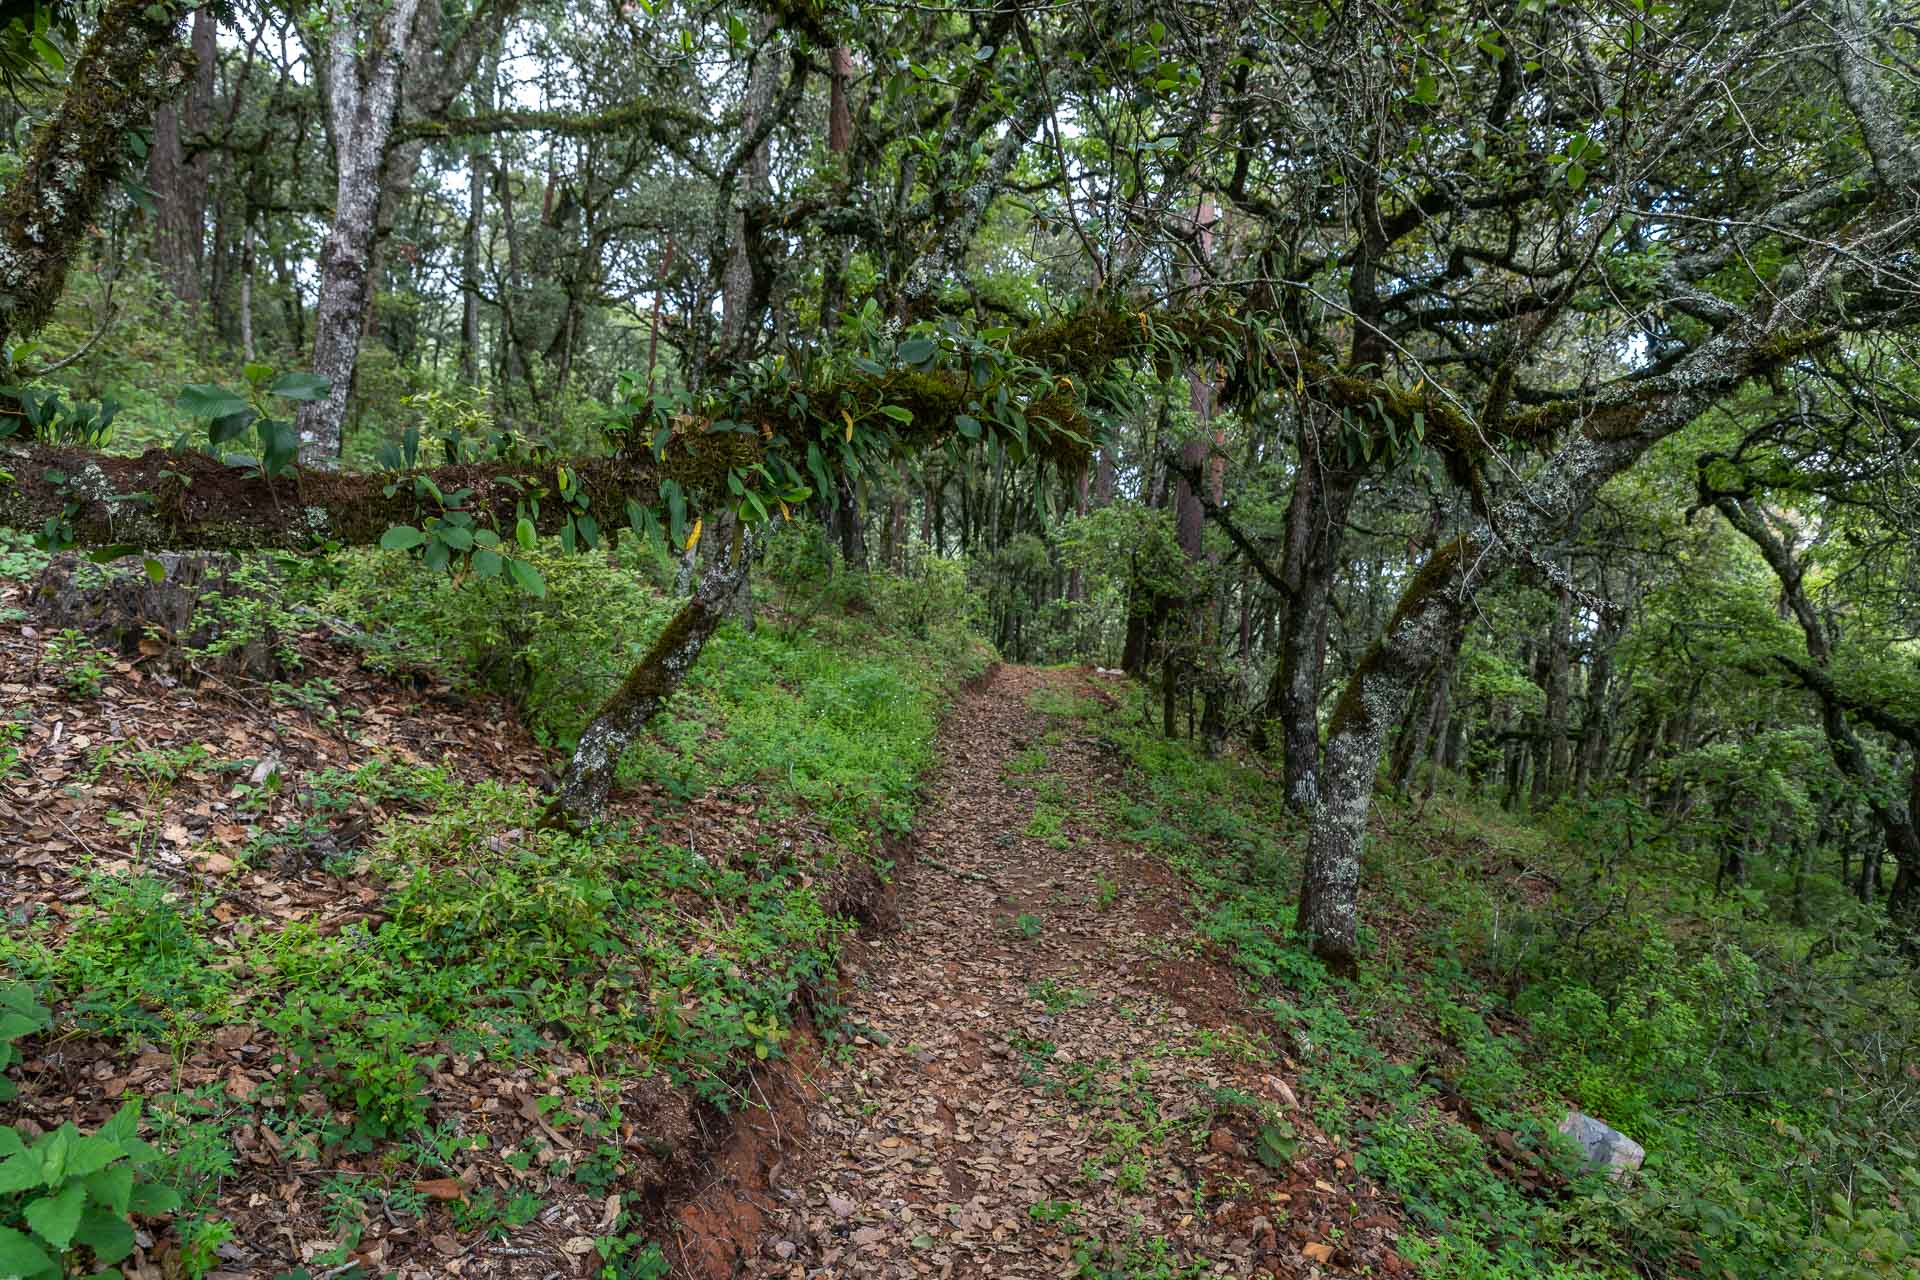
1054, 1076
839, 991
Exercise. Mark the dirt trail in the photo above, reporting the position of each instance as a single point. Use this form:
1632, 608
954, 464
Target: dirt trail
1041, 1082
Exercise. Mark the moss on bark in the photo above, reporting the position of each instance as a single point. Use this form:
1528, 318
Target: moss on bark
132, 65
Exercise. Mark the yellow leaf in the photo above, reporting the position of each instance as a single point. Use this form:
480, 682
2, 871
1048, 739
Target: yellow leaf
784, 513
693, 535
849, 418
1299, 384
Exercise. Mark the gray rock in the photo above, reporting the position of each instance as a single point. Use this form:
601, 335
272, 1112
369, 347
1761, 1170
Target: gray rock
1604, 1146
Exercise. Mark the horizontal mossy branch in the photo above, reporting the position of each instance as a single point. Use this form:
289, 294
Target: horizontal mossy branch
1823, 686
189, 501
660, 121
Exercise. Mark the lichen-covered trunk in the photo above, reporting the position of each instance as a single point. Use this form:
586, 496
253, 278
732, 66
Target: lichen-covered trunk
583, 789
363, 88
1417, 639
1596, 717
737, 286
478, 159
1315, 533
1293, 698
131, 65
1619, 427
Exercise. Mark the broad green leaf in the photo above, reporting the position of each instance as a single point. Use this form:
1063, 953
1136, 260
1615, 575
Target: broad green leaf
152, 1199
21, 1172
109, 1234
206, 400
525, 534
20, 1256
402, 537
112, 1187
91, 1154
301, 386
49, 53
527, 578
454, 536
230, 426
124, 1127
56, 1217
486, 564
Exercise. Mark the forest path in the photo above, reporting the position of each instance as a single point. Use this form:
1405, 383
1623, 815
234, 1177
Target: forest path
1040, 1083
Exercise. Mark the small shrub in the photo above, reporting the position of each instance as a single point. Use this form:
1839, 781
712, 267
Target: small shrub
78, 665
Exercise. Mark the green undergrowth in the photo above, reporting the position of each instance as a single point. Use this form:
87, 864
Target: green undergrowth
669, 944
1488, 1001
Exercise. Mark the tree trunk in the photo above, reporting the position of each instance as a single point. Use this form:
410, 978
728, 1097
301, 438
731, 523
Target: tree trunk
1551, 782
1316, 530
129, 67
839, 113
246, 291
582, 792
478, 160
179, 184
364, 96
737, 285
1897, 820
1617, 429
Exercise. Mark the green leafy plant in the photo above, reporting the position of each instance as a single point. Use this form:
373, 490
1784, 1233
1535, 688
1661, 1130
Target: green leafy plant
67, 1192
45, 417
229, 416
80, 666
21, 1015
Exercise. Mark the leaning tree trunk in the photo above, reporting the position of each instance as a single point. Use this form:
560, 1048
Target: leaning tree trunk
582, 792
364, 95
1615, 431
132, 64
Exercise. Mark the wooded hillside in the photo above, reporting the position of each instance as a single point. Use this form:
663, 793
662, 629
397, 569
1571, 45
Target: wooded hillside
1464, 450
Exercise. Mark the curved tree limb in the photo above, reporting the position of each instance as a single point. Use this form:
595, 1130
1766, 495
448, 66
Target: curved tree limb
133, 64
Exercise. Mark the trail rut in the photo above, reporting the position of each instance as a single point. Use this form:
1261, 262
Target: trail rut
1050, 1075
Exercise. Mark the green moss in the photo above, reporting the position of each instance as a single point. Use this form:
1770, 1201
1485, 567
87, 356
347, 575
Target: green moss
1434, 576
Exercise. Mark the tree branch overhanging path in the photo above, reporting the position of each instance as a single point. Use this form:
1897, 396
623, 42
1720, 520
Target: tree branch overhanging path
1509, 260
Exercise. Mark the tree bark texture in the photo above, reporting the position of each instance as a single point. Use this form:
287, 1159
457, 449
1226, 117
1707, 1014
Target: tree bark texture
131, 65
363, 98
1613, 430
583, 790
179, 183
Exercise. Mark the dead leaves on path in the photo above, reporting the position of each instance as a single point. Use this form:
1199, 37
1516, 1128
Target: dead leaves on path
1047, 1076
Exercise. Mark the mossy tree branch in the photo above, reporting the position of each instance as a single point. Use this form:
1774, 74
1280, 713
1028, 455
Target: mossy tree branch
132, 65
